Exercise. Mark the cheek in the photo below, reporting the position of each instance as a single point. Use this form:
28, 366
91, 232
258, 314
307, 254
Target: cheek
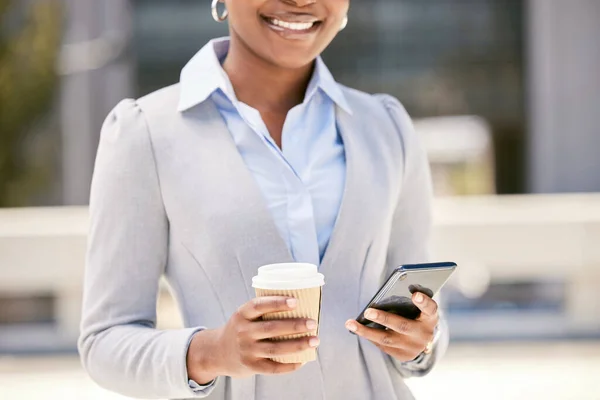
336, 19
242, 15
330, 31
338, 7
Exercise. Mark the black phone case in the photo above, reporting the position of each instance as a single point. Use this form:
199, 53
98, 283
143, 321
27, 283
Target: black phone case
401, 305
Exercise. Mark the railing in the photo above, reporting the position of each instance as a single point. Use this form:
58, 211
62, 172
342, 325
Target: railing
502, 238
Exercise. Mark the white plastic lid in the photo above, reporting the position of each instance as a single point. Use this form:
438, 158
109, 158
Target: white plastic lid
288, 276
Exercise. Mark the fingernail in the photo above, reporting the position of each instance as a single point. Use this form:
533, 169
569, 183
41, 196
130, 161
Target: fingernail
314, 342
311, 324
371, 314
351, 326
419, 298
292, 303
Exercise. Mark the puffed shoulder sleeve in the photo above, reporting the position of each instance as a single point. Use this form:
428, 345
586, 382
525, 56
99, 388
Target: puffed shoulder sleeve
412, 219
127, 252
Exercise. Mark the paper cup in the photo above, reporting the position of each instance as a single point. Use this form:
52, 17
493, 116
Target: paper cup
303, 283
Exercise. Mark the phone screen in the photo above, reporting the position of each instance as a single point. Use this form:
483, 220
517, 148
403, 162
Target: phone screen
396, 294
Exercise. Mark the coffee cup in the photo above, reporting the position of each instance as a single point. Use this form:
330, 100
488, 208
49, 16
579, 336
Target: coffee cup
298, 280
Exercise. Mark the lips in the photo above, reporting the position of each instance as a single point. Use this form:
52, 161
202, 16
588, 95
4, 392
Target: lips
292, 24
295, 26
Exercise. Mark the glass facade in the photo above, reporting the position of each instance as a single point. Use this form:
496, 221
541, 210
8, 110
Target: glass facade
438, 57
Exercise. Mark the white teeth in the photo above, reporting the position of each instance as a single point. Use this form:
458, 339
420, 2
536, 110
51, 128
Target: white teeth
294, 26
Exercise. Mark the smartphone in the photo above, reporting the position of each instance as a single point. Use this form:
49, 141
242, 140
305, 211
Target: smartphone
395, 296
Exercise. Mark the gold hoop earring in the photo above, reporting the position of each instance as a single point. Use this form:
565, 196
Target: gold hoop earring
344, 23
215, 12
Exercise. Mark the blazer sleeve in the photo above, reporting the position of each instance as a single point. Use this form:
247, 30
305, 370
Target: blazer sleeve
412, 219
127, 253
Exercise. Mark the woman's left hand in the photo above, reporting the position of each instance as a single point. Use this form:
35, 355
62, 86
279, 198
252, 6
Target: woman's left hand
404, 339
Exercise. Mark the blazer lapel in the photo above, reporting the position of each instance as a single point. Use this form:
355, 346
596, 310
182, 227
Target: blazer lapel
354, 220
351, 274
373, 173
234, 216
344, 258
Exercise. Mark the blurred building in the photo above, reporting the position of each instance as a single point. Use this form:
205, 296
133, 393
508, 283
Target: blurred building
528, 68
97, 71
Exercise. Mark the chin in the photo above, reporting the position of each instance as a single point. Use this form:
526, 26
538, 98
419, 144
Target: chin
292, 61
291, 55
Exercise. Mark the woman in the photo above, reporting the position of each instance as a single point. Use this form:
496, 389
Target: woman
257, 156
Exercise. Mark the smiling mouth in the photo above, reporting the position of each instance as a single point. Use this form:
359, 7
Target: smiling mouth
291, 27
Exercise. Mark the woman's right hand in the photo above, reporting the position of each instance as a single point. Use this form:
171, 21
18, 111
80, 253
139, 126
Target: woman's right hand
242, 347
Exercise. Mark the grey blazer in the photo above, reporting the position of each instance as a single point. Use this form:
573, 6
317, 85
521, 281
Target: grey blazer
171, 195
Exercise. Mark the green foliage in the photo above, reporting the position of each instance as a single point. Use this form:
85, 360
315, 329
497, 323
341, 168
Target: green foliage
28, 57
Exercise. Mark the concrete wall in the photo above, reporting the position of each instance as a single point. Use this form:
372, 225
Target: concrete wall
564, 95
493, 239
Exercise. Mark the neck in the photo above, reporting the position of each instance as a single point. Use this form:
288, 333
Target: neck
262, 85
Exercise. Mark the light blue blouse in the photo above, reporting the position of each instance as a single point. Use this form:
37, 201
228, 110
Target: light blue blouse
303, 182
